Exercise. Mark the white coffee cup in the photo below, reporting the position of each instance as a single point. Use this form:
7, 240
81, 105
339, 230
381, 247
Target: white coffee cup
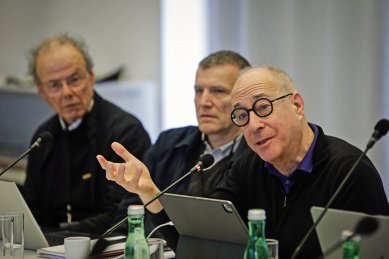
77, 247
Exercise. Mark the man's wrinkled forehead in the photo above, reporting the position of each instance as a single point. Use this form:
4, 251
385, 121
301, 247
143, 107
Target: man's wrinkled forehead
252, 84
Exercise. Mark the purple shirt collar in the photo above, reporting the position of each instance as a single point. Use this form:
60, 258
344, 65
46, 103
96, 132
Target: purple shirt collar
306, 165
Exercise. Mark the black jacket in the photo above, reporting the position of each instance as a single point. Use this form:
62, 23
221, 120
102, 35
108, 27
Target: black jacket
50, 184
175, 152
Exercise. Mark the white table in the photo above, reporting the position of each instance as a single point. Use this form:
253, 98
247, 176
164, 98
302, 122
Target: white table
29, 254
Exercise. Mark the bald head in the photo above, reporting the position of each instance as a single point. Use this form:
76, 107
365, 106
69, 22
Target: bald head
270, 78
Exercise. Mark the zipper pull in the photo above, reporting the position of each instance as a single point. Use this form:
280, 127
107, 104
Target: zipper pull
285, 200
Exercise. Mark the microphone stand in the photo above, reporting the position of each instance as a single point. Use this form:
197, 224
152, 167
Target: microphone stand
380, 130
329, 203
43, 137
18, 159
101, 243
335, 246
366, 226
114, 227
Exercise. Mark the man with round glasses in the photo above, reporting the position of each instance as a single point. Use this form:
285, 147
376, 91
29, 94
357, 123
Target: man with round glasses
294, 165
262, 107
65, 187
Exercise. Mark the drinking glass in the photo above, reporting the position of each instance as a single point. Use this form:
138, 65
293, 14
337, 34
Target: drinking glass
272, 244
11, 235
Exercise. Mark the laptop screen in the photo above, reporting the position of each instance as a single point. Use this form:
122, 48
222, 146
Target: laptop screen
11, 200
205, 218
335, 221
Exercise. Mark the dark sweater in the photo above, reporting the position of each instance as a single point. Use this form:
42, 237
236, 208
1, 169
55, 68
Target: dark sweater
250, 185
66, 170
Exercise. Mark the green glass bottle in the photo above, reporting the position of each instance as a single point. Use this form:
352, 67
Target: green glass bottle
256, 246
136, 244
351, 245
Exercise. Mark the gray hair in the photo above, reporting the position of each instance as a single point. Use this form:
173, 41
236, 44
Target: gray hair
224, 57
282, 78
61, 39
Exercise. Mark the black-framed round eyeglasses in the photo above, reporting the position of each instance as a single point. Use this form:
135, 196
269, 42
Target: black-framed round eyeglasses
262, 107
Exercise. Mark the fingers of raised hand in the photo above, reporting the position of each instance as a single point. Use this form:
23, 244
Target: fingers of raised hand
119, 177
122, 152
102, 161
112, 170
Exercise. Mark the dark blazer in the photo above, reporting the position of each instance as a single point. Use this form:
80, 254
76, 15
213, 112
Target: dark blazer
175, 152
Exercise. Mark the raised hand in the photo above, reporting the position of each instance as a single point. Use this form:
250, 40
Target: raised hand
132, 175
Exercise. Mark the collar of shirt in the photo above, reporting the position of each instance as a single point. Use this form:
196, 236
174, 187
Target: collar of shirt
306, 165
222, 151
76, 123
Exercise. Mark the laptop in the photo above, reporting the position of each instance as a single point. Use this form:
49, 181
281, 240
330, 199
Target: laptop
11, 200
335, 221
208, 228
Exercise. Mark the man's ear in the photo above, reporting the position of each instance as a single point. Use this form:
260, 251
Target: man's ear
298, 102
91, 77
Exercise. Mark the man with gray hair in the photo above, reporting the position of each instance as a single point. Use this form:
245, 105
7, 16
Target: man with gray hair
65, 188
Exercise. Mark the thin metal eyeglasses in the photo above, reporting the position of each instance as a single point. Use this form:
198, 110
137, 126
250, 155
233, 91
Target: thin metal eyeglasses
74, 81
262, 107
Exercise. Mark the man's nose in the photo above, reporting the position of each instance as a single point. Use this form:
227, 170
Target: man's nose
206, 98
255, 121
66, 89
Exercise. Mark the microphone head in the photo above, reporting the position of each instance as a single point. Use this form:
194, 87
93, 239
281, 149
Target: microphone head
366, 226
206, 160
44, 137
382, 127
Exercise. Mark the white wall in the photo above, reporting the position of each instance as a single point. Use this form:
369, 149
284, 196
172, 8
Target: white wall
184, 44
117, 32
333, 49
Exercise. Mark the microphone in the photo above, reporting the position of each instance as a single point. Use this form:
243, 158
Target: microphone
365, 227
43, 138
204, 162
380, 130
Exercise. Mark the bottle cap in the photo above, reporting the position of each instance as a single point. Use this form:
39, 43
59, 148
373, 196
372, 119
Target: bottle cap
256, 214
346, 234
136, 210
